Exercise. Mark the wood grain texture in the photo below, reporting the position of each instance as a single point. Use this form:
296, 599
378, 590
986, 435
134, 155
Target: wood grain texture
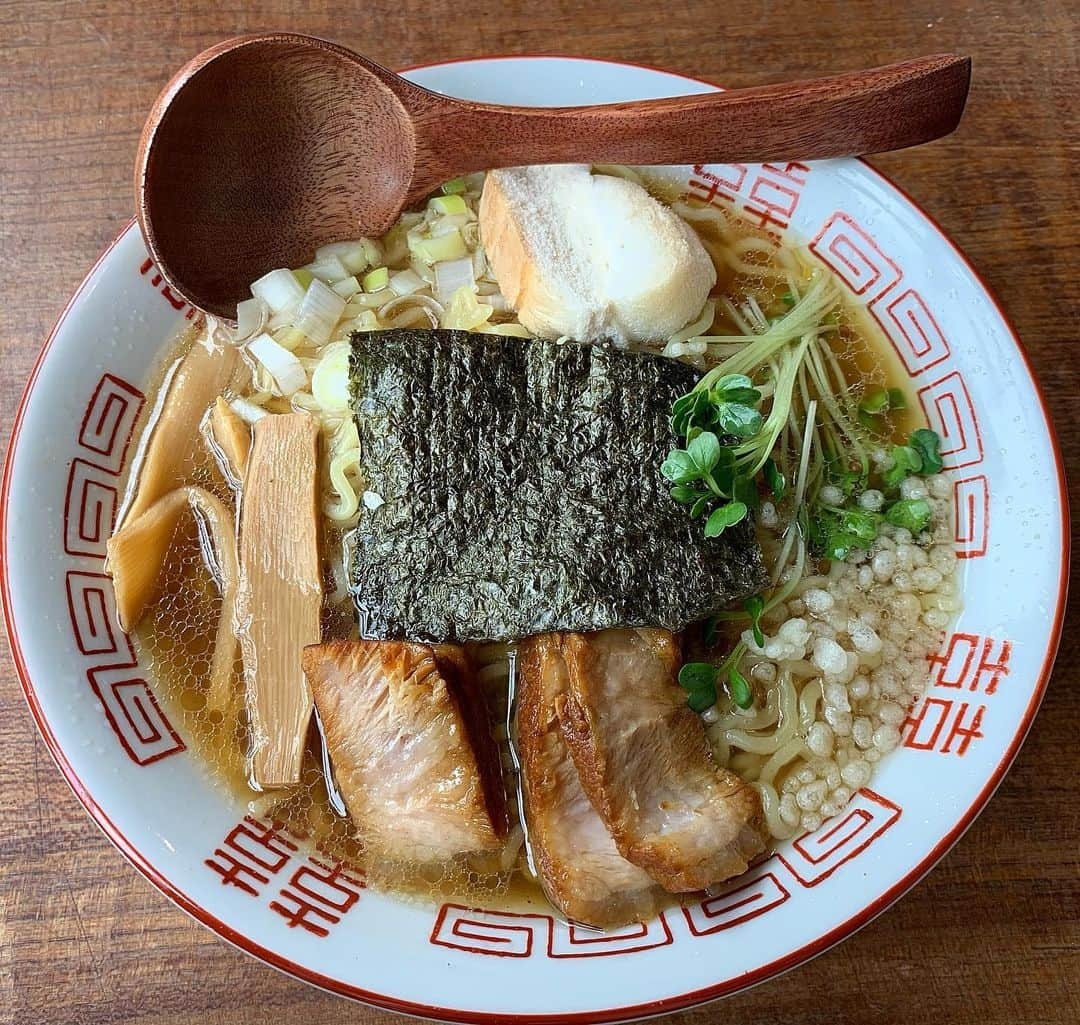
265, 147
992, 935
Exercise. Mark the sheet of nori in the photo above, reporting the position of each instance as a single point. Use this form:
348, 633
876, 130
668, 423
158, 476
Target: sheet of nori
522, 492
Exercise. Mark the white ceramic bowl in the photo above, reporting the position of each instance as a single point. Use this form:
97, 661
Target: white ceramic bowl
267, 894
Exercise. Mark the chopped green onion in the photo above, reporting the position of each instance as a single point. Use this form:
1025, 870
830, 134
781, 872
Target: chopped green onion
911, 513
450, 204
450, 275
280, 290
303, 276
354, 256
376, 280
346, 287
281, 364
329, 268
906, 461
928, 445
290, 338
449, 246
319, 312
406, 282
330, 378
453, 186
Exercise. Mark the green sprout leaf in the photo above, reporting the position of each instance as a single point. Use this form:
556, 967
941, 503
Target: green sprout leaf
736, 388
755, 606
691, 410
876, 402
744, 489
698, 679
700, 506
697, 675
738, 419
739, 688
680, 468
860, 525
774, 478
723, 517
897, 399
685, 495
704, 450
839, 545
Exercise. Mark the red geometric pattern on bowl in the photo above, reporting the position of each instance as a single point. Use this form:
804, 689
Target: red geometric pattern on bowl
109, 421
947, 724
971, 507
914, 333
134, 714
751, 896
92, 606
814, 857
89, 509
855, 258
766, 195
518, 934
148, 270
316, 895
90, 505
949, 411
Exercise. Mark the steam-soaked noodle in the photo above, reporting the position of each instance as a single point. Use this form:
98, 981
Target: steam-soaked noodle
844, 643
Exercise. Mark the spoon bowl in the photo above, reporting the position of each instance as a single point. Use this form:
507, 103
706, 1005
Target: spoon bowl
263, 148
251, 158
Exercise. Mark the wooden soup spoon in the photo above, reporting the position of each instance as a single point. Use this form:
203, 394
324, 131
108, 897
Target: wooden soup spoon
264, 147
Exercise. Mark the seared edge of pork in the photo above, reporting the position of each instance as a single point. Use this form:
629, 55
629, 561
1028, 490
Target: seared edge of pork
644, 760
467, 694
580, 868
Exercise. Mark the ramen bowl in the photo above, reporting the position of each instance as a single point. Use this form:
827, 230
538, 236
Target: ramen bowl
269, 893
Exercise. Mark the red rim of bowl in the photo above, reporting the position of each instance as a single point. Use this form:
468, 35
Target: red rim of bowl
611, 1014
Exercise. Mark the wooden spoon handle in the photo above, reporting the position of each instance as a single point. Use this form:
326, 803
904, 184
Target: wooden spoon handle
857, 112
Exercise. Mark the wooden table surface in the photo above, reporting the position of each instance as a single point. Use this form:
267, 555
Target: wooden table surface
992, 935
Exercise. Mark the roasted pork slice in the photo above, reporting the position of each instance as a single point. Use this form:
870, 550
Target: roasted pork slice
645, 762
581, 870
412, 751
